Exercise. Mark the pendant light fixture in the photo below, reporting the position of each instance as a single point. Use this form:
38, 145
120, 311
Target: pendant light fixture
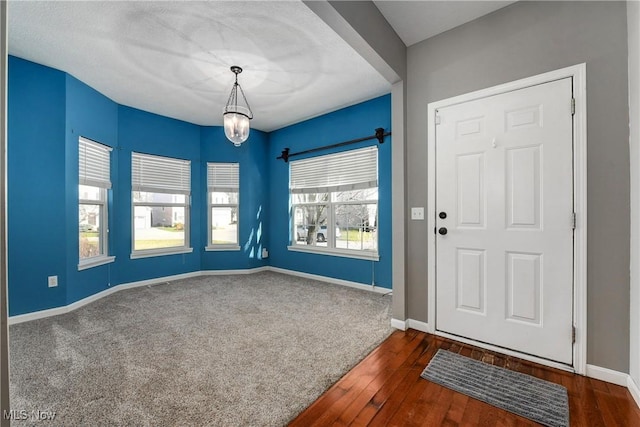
236, 117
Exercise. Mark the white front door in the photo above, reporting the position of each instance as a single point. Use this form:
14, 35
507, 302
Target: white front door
504, 198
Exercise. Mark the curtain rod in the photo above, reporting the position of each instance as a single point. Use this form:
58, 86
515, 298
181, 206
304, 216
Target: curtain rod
379, 135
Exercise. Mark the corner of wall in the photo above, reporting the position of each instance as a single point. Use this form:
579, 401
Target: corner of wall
398, 199
633, 46
634, 390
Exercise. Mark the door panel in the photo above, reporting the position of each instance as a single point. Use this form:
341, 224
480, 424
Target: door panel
523, 287
504, 270
469, 178
470, 280
523, 187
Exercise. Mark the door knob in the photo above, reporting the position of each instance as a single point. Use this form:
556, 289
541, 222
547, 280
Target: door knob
442, 215
442, 230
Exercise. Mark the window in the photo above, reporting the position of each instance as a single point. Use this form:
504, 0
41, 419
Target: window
94, 182
223, 183
334, 203
161, 188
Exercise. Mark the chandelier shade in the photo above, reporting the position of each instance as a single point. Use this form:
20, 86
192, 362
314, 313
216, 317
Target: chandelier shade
237, 116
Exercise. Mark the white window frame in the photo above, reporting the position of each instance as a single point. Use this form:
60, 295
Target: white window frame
327, 175
161, 182
94, 170
230, 184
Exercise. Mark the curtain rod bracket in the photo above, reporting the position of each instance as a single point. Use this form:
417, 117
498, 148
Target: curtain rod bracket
284, 155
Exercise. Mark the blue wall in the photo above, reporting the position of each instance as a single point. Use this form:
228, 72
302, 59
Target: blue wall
342, 125
94, 116
48, 110
36, 191
148, 133
254, 190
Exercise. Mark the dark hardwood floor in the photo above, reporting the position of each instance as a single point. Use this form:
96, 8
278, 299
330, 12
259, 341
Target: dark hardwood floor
386, 389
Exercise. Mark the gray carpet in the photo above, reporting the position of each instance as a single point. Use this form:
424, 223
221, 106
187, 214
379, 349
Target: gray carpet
538, 400
217, 350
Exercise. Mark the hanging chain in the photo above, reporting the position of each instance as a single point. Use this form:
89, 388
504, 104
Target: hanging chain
245, 101
233, 98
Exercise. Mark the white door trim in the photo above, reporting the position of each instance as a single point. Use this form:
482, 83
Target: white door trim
578, 73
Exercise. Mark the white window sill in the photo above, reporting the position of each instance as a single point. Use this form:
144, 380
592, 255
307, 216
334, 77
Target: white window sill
214, 248
94, 262
160, 252
368, 255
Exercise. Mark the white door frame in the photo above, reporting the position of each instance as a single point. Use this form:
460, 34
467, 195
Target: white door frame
578, 73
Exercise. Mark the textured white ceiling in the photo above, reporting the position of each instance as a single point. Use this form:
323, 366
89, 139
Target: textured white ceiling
172, 58
415, 21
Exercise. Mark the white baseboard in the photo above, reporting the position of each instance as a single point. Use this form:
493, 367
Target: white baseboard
615, 377
634, 390
91, 298
234, 272
348, 283
608, 375
418, 325
399, 324
20, 318
157, 280
403, 325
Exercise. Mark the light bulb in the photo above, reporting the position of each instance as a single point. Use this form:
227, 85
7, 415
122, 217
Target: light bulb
236, 127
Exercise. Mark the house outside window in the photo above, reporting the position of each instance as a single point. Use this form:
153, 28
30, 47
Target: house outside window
161, 190
223, 184
334, 204
94, 179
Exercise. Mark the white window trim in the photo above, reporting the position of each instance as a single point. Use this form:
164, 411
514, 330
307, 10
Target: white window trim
95, 262
213, 247
103, 226
330, 249
173, 250
346, 253
103, 182
147, 253
316, 175
222, 247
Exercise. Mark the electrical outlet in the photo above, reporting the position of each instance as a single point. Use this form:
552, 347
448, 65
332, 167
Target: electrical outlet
417, 214
52, 281
265, 253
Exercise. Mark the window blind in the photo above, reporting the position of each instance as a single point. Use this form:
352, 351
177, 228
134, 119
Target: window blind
224, 177
160, 174
94, 163
348, 170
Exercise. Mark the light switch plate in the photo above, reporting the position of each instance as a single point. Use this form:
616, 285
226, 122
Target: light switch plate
417, 214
